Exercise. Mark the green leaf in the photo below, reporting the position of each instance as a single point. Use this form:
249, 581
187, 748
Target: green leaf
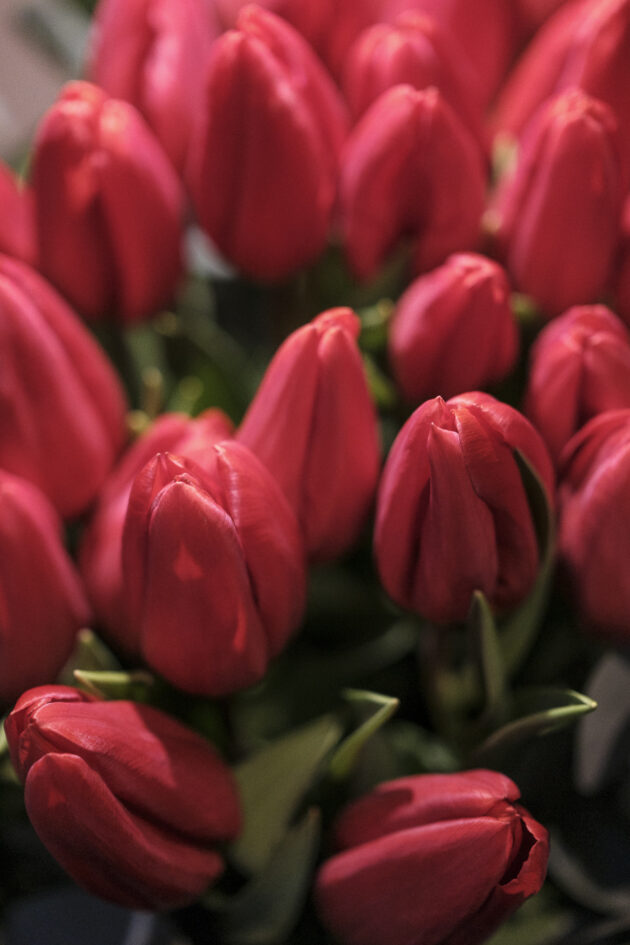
91, 654
381, 388
483, 630
273, 784
374, 325
267, 909
379, 710
536, 712
121, 685
519, 631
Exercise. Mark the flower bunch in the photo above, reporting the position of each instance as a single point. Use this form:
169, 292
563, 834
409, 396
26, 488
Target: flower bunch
314, 505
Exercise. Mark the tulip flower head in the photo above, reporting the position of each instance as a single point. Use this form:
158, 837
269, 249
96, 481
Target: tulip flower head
416, 51
62, 409
213, 569
313, 425
579, 367
434, 859
411, 168
453, 329
42, 603
263, 165
101, 542
131, 803
594, 508
152, 53
452, 512
108, 207
567, 190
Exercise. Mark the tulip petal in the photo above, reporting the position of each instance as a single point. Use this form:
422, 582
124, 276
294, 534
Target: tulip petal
108, 850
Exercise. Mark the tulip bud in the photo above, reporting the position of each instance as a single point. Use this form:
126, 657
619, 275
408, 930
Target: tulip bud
131, 803
265, 195
42, 604
313, 425
441, 859
453, 330
580, 366
108, 207
100, 551
62, 409
17, 232
567, 190
153, 53
584, 45
452, 511
594, 538
413, 51
213, 570
410, 168
484, 33
329, 26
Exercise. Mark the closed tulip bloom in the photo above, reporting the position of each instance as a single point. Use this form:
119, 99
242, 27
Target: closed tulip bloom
585, 45
453, 329
436, 859
130, 802
264, 164
484, 33
62, 410
42, 603
329, 26
579, 367
567, 190
17, 231
411, 168
101, 543
213, 569
414, 50
153, 54
594, 538
452, 511
313, 425
108, 207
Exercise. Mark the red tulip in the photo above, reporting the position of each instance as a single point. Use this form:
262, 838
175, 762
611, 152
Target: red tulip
330, 26
414, 50
410, 168
61, 406
437, 859
452, 512
484, 32
130, 802
453, 329
153, 54
42, 604
313, 424
265, 195
108, 207
580, 367
585, 45
213, 570
594, 539
100, 551
567, 191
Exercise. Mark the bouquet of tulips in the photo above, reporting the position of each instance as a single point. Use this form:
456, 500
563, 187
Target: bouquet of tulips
315, 474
